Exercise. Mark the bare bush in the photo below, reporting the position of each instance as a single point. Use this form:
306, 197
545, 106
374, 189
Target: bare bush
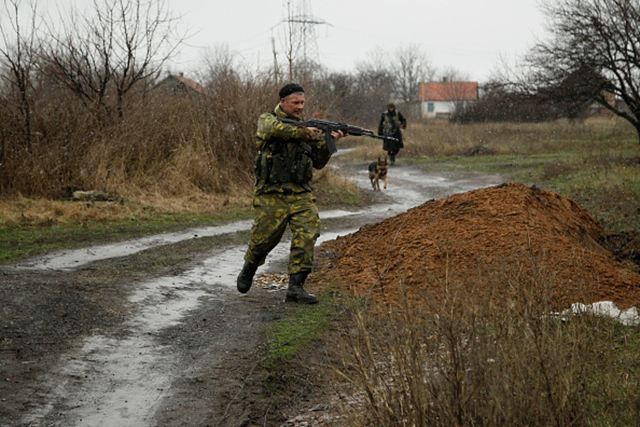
104, 56
337, 94
165, 144
18, 50
501, 103
409, 67
486, 352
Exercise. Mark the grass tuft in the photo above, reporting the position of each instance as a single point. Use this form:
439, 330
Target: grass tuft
497, 358
302, 326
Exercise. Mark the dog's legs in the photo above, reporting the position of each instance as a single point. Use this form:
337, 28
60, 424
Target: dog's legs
385, 181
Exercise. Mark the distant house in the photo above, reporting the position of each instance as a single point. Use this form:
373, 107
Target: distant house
597, 109
441, 99
178, 84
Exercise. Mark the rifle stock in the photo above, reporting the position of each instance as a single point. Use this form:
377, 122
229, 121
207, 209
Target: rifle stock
328, 126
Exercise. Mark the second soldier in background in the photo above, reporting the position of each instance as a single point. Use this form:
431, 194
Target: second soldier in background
391, 123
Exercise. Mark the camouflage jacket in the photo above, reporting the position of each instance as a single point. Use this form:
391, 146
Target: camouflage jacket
286, 157
391, 123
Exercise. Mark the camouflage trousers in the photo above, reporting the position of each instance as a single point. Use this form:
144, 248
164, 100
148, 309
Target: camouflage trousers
273, 212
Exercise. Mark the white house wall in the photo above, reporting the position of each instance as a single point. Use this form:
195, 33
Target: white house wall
439, 107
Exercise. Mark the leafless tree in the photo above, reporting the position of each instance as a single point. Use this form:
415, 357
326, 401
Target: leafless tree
17, 61
450, 74
410, 67
126, 42
145, 40
337, 94
79, 57
220, 64
378, 62
593, 49
375, 85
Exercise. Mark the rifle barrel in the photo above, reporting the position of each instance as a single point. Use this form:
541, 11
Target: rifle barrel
328, 126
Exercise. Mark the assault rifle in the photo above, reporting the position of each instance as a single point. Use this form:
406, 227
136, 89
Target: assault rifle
327, 127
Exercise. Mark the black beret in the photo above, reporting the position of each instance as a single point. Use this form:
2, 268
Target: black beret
289, 88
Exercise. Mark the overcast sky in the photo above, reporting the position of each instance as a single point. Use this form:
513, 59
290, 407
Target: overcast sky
471, 36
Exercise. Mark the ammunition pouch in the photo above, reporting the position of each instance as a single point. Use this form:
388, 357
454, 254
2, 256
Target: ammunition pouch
280, 162
390, 127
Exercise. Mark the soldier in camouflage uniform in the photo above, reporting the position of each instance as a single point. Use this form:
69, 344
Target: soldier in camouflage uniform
284, 165
391, 123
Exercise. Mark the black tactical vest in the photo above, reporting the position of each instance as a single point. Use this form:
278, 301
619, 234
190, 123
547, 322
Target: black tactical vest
391, 124
280, 162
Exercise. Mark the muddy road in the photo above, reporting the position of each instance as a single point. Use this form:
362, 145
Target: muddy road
152, 331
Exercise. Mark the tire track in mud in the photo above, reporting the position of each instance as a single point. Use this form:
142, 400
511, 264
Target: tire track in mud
125, 378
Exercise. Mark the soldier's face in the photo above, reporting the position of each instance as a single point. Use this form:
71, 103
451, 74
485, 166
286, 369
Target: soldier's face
293, 105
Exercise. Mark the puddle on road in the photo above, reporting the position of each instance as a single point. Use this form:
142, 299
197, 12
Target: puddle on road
120, 381
74, 258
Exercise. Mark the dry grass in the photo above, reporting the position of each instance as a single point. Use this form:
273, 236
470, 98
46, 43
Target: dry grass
45, 212
498, 358
441, 138
333, 189
165, 143
169, 154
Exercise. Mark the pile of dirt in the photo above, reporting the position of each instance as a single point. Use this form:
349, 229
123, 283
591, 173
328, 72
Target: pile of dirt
511, 226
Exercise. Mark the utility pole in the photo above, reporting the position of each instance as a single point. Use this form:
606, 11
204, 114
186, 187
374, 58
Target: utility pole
276, 71
299, 33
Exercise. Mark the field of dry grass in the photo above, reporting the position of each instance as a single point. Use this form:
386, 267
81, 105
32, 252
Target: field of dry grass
594, 162
474, 360
441, 138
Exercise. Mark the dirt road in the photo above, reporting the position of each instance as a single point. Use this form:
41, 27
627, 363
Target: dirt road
152, 331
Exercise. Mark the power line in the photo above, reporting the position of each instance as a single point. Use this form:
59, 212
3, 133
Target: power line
300, 29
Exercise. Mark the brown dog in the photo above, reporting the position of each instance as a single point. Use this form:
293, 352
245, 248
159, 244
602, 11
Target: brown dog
378, 171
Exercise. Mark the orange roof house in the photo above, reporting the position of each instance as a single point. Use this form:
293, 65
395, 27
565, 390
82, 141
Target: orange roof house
441, 99
179, 84
448, 91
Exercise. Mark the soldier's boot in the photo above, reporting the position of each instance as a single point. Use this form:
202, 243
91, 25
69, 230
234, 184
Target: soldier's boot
392, 158
245, 278
296, 293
